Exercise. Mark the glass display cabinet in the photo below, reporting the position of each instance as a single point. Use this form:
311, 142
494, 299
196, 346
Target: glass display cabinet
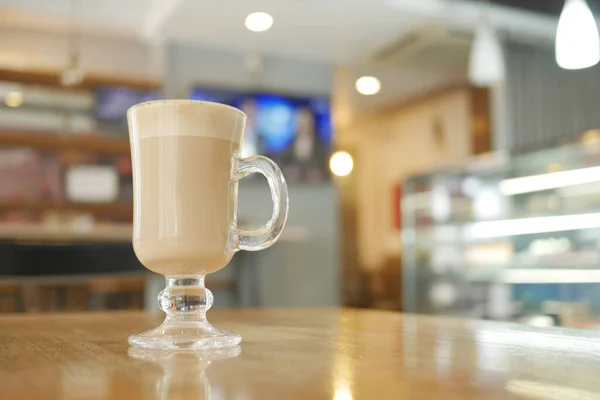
507, 237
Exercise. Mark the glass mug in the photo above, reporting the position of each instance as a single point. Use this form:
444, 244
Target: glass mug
186, 168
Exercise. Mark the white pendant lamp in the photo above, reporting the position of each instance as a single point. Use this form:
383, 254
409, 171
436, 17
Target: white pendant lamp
486, 62
577, 42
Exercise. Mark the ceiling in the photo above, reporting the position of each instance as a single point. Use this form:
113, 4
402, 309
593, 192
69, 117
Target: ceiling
330, 30
105, 17
351, 33
325, 30
333, 31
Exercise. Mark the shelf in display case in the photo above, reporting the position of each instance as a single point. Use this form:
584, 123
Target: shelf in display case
529, 226
534, 275
493, 230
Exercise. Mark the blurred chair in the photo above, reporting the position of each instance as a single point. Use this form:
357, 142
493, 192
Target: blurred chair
59, 297
117, 293
40, 294
384, 285
11, 299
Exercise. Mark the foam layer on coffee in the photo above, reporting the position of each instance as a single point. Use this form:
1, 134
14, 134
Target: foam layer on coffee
187, 118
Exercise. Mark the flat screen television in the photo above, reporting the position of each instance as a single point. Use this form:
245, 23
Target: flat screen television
294, 131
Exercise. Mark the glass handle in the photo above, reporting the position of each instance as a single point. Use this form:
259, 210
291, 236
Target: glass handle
269, 234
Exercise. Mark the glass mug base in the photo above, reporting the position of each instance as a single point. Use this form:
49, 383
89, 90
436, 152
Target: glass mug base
185, 300
188, 335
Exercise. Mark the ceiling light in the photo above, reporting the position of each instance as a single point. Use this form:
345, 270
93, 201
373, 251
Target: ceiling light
368, 85
259, 21
341, 163
13, 99
577, 42
486, 61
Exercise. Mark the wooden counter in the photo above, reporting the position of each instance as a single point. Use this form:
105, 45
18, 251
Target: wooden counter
299, 354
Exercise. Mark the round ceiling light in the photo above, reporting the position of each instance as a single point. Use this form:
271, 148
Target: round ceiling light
341, 163
259, 22
368, 85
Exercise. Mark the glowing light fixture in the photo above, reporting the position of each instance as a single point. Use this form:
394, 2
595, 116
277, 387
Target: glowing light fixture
486, 61
341, 163
259, 22
577, 42
487, 204
527, 226
554, 180
13, 99
368, 85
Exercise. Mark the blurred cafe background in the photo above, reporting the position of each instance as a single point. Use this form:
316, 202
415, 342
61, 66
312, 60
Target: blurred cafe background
442, 156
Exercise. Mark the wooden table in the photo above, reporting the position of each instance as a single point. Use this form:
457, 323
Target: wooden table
299, 354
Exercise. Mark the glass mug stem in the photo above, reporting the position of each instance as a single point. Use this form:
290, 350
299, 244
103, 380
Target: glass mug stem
185, 299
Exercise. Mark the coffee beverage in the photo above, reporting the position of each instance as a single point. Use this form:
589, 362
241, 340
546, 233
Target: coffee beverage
189, 204
185, 198
186, 168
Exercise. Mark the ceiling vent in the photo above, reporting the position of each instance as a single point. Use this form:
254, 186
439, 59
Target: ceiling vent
430, 48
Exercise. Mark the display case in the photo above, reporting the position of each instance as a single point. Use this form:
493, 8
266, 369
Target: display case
507, 237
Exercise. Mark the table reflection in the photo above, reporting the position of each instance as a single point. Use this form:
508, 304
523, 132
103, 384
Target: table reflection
184, 374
